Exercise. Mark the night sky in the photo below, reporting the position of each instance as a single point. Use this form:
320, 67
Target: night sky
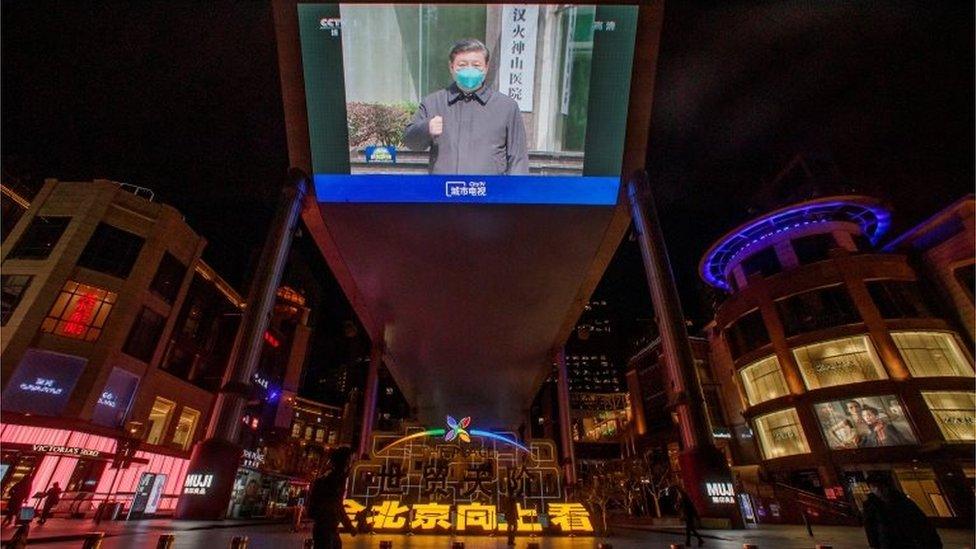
184, 99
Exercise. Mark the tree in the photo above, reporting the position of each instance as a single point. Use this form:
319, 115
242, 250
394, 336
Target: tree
599, 490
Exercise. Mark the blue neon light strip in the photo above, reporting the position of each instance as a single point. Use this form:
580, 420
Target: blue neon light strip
467, 189
873, 219
488, 434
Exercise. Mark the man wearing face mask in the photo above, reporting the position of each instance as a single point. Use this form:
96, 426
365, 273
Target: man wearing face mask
469, 128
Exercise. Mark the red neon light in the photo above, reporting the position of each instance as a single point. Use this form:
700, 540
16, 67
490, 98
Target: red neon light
53, 468
81, 316
271, 340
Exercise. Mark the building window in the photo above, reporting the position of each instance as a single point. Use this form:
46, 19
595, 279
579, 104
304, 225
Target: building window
932, 354
111, 251
185, 427
169, 277
861, 242
159, 416
39, 239
921, 486
838, 362
966, 277
898, 298
765, 263
813, 248
763, 380
865, 422
955, 412
144, 335
816, 310
14, 287
296, 429
79, 312
781, 435
747, 333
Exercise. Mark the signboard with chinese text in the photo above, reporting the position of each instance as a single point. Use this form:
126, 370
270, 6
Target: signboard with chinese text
460, 480
391, 515
516, 67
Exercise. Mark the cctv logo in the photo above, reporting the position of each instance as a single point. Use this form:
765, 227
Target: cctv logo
331, 24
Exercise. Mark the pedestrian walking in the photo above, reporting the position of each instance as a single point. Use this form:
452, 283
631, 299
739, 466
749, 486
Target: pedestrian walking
18, 494
686, 508
325, 502
511, 516
892, 521
51, 498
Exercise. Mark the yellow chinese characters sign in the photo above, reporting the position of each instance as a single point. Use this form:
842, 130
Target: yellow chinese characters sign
473, 518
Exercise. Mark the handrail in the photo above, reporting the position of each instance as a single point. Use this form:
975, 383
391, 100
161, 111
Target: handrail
839, 507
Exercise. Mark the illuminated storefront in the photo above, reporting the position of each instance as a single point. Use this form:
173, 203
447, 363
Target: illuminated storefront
84, 465
841, 364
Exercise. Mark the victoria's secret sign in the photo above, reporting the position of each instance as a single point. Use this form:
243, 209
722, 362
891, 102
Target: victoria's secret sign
65, 450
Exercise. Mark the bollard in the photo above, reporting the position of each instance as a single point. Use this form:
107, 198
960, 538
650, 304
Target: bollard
92, 540
309, 543
165, 541
386, 544
239, 542
457, 545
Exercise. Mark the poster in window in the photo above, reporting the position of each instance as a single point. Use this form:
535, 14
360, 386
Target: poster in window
865, 422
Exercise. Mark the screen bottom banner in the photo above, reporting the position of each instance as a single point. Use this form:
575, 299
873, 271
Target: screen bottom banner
464, 189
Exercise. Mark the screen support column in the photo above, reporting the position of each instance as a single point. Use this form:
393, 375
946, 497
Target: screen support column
701, 462
565, 420
369, 401
214, 461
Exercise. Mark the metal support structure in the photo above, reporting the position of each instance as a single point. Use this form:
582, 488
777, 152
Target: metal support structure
701, 461
370, 396
246, 352
565, 421
217, 457
679, 360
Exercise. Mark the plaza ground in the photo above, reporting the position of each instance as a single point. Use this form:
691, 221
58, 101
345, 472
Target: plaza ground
215, 535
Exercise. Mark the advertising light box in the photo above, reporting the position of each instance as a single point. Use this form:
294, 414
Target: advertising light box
865, 422
490, 103
42, 382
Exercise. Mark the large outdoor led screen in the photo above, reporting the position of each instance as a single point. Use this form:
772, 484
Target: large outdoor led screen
513, 103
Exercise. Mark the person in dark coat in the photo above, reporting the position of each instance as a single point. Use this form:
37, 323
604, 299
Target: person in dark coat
51, 498
19, 493
686, 508
892, 521
511, 516
325, 502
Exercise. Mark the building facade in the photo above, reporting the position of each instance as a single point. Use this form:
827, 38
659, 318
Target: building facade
103, 389
839, 357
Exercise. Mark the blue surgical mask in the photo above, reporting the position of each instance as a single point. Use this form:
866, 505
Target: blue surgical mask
469, 78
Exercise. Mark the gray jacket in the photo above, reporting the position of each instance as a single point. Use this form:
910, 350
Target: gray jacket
483, 133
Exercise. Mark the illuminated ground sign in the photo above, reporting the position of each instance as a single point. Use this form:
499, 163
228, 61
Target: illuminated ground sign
394, 117
459, 479
472, 518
